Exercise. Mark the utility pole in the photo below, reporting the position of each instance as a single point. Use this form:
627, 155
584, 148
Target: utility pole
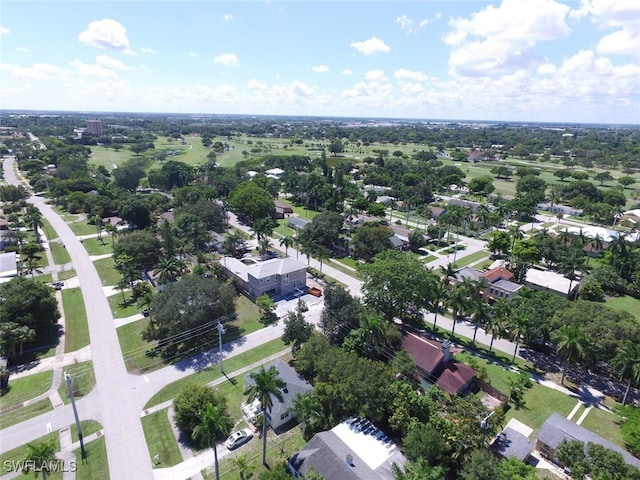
67, 377
221, 330
484, 424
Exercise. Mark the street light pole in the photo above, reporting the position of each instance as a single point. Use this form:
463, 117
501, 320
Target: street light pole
221, 330
67, 377
484, 424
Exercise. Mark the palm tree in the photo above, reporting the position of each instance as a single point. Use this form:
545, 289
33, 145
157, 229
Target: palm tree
619, 250
215, 425
596, 245
568, 266
267, 384
501, 311
448, 272
306, 407
40, 456
34, 216
169, 269
457, 302
515, 233
480, 315
438, 295
286, 242
517, 326
322, 254
627, 363
245, 469
570, 344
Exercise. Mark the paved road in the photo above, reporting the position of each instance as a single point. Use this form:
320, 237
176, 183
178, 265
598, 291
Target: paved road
120, 417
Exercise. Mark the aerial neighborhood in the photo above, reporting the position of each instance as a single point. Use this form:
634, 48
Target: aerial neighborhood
282, 297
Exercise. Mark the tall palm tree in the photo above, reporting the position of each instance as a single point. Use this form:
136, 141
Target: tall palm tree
457, 301
438, 295
568, 266
515, 233
245, 469
307, 407
596, 245
627, 363
517, 326
619, 250
169, 269
34, 216
570, 344
448, 272
215, 425
40, 456
286, 242
322, 254
267, 385
480, 315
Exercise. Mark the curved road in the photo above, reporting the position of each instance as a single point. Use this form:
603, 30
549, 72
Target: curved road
120, 415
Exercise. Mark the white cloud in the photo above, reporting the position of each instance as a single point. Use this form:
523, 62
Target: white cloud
621, 14
372, 94
409, 75
547, 69
227, 59
92, 70
503, 38
346, 71
4, 30
111, 63
147, 50
409, 26
375, 76
227, 17
22, 50
106, 33
320, 69
622, 42
370, 47
193, 54
38, 71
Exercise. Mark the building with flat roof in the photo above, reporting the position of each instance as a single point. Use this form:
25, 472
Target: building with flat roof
352, 450
94, 127
548, 281
8, 266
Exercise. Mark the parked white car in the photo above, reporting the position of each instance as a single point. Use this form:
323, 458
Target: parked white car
238, 438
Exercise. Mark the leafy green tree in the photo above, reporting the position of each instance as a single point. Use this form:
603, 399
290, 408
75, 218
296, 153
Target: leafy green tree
30, 252
479, 465
500, 243
13, 336
245, 469
603, 177
169, 269
423, 442
266, 386
184, 308
252, 202
323, 230
135, 210
141, 247
340, 315
296, 330
371, 239
29, 303
307, 409
215, 425
128, 176
514, 469
419, 470
267, 308
482, 186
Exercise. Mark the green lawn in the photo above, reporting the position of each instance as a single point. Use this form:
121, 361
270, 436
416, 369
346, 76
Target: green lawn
304, 213
67, 274
338, 265
49, 231
134, 348
59, 253
106, 268
626, 303
97, 466
108, 157
209, 374
474, 257
21, 414
82, 228
83, 380
121, 309
605, 424
24, 388
89, 427
160, 439
485, 264
46, 278
20, 452
97, 247
76, 333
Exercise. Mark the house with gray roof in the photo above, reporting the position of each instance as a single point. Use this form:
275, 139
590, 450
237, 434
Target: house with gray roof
556, 429
8, 266
278, 277
281, 411
352, 450
512, 444
297, 223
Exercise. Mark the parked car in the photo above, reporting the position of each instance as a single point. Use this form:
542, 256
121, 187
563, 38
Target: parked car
238, 438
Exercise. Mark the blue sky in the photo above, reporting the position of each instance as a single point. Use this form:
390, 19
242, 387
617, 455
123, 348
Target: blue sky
522, 60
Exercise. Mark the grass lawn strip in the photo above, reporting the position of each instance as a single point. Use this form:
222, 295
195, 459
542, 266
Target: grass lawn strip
97, 466
625, 303
19, 453
605, 424
107, 272
49, 231
83, 380
93, 246
212, 373
474, 257
21, 414
121, 309
25, 388
75, 318
160, 439
67, 274
59, 253
82, 228
89, 427
134, 348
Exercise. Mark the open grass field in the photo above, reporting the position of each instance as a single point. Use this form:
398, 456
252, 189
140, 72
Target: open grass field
20, 452
160, 439
97, 465
108, 157
24, 388
134, 348
93, 246
59, 253
123, 308
107, 272
626, 303
83, 380
605, 424
75, 318
82, 228
212, 373
21, 414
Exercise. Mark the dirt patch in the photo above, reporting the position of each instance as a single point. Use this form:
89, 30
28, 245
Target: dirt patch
492, 403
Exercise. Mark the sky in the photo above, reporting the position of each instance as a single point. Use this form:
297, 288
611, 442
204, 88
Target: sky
507, 60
